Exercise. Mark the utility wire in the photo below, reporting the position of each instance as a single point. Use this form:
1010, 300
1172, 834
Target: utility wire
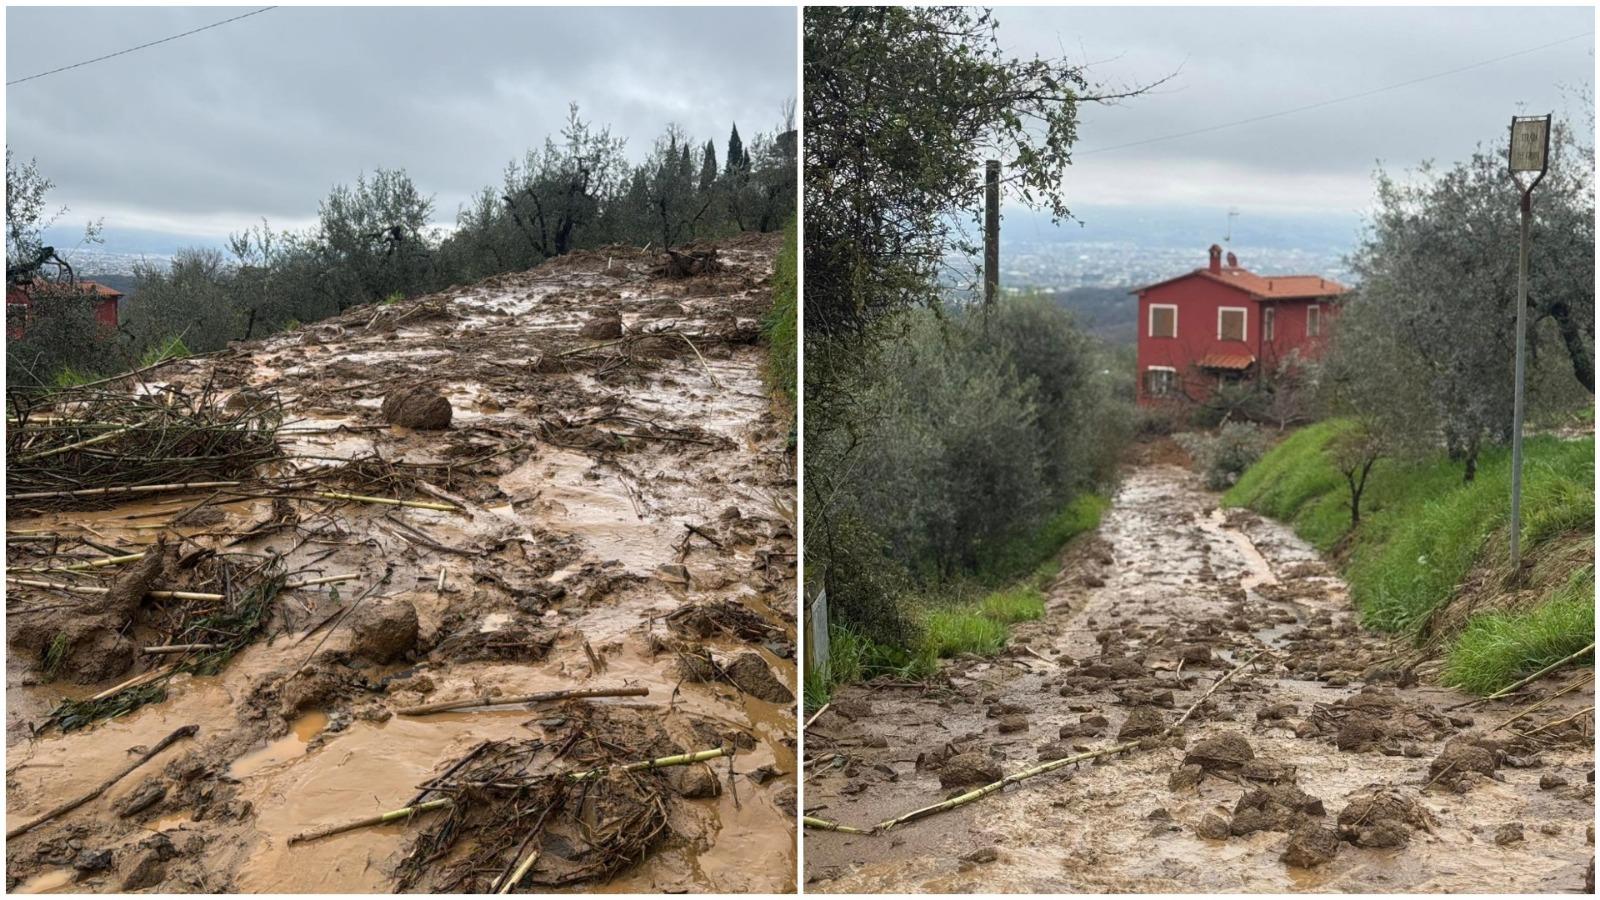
143, 46
1320, 104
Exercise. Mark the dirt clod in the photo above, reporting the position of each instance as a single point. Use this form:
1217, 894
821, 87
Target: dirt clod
1144, 721
970, 768
1311, 845
383, 631
418, 406
1226, 751
749, 673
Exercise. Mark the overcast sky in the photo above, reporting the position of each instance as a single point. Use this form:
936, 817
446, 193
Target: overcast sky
260, 117
1235, 63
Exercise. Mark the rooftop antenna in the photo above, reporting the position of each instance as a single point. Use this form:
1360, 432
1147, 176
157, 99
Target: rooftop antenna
1233, 213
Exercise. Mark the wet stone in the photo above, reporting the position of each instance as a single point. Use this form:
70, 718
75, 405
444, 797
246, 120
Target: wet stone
970, 768
982, 855
1549, 781
1226, 751
1213, 827
603, 327
1509, 833
1185, 777
419, 407
92, 861
1311, 846
384, 631
694, 782
1458, 759
1013, 724
1144, 721
750, 674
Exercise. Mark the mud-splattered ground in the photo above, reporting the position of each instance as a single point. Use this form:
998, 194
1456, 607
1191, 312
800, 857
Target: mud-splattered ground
608, 482
1323, 767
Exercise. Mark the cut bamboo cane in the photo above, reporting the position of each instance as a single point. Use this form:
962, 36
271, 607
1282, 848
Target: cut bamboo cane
182, 648
543, 697
1562, 721
69, 806
89, 589
379, 819
1577, 683
103, 561
86, 442
519, 872
817, 715
112, 491
825, 825
388, 501
1529, 680
326, 579
142, 678
1211, 690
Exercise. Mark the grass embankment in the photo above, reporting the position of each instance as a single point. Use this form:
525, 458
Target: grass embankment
1424, 531
972, 616
782, 323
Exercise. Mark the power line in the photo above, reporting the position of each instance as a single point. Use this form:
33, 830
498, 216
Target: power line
1322, 103
143, 46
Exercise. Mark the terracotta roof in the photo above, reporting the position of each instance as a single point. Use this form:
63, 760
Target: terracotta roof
1235, 361
1265, 287
81, 287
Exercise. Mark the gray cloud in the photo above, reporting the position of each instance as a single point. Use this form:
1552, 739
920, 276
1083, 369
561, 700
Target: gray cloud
261, 117
1241, 62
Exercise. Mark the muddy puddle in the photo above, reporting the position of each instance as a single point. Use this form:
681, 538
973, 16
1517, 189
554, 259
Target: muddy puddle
576, 475
1170, 595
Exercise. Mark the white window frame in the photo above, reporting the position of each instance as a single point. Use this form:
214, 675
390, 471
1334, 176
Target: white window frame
1171, 389
1244, 330
1315, 308
1150, 323
1269, 323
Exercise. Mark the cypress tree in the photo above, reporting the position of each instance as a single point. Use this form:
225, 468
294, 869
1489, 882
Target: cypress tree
708, 166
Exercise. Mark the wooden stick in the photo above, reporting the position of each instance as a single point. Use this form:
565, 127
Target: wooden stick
96, 563
63, 809
142, 678
326, 579
1577, 683
1530, 679
379, 819
988, 789
682, 759
817, 715
521, 870
86, 442
388, 501
89, 589
825, 825
1209, 691
182, 648
1563, 721
543, 697
140, 489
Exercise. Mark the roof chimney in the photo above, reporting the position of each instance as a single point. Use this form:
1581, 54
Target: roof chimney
1233, 261
1216, 259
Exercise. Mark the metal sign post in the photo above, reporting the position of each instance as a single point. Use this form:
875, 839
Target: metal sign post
1530, 152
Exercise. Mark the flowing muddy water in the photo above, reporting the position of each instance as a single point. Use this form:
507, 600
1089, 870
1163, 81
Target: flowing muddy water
580, 464
1169, 595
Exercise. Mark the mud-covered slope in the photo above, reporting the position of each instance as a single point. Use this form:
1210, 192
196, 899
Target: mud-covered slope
615, 460
1324, 766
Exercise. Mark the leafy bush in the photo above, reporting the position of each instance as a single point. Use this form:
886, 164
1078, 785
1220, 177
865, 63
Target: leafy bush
1156, 421
1222, 457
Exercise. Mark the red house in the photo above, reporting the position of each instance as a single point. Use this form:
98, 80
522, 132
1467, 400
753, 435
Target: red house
21, 297
1226, 323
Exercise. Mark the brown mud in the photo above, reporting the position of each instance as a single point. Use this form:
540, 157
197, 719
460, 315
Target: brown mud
1324, 766
605, 486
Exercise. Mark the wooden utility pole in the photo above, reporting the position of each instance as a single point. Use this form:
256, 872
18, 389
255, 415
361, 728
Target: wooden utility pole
991, 231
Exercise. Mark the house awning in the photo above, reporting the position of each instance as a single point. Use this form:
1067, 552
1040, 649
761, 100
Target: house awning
1233, 362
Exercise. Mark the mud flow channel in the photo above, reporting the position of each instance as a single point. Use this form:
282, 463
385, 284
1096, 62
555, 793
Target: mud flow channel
1321, 766
611, 506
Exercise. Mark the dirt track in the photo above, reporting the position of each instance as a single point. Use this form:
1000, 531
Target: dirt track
1169, 596
580, 459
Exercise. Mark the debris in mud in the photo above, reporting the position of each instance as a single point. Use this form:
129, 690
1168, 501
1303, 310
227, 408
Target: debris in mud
80, 446
1227, 751
688, 263
1509, 833
510, 644
728, 618
1460, 757
417, 406
1311, 845
1012, 724
1142, 722
1213, 827
1379, 816
1274, 808
602, 327
1376, 719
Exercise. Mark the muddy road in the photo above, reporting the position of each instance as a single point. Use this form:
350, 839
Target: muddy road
1321, 767
620, 494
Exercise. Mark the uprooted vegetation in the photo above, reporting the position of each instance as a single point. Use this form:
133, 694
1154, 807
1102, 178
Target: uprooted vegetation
592, 511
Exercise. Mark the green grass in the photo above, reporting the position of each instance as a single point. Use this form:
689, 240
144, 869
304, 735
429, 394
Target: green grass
952, 632
1018, 604
1422, 529
1035, 552
782, 321
67, 377
1496, 649
171, 348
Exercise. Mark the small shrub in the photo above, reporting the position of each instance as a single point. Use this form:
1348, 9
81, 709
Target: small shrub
1157, 421
1222, 458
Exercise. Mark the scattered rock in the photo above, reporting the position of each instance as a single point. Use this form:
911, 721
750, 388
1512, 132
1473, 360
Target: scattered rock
1380, 816
1213, 827
1185, 777
1012, 724
418, 406
603, 327
1311, 845
1549, 781
1226, 751
982, 855
1144, 721
969, 768
1274, 808
749, 673
383, 631
694, 782
89, 861
145, 796
1509, 833
1457, 759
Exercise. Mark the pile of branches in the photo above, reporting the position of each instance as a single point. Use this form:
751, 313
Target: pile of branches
542, 814
79, 446
206, 633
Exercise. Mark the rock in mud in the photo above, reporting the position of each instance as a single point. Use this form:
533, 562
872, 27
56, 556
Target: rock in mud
1549, 781
1458, 758
384, 631
603, 327
1507, 834
982, 855
147, 795
1379, 817
1274, 808
1055, 750
694, 782
1213, 827
1144, 721
1226, 752
1185, 777
1310, 846
1195, 654
970, 768
419, 406
1012, 724
749, 673
90, 861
